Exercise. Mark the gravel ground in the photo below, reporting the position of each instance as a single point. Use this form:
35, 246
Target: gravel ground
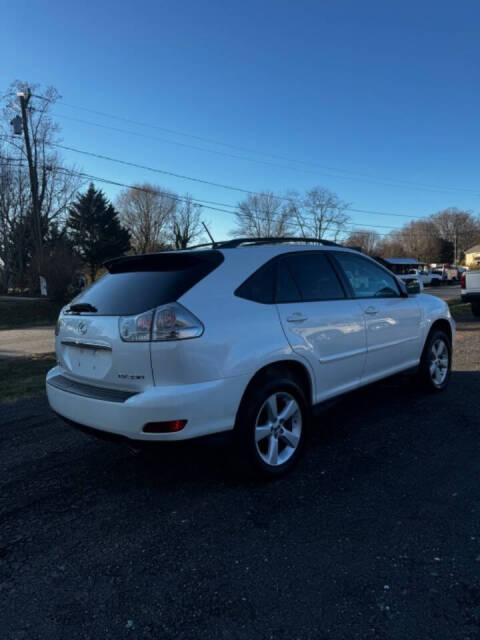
376, 534
445, 292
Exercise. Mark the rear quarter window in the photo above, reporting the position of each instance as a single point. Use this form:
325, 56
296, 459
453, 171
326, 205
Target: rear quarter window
259, 287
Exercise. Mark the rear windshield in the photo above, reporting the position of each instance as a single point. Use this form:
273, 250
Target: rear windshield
138, 283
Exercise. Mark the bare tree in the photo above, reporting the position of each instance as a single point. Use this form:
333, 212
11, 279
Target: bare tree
460, 228
146, 211
419, 239
320, 213
364, 239
14, 203
185, 223
391, 247
263, 215
57, 184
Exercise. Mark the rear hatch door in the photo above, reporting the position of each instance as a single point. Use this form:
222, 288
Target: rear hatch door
88, 344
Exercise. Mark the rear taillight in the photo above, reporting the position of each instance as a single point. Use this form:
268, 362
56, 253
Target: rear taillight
136, 328
463, 281
169, 322
174, 322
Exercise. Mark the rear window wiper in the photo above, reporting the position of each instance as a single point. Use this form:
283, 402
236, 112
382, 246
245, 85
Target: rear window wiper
82, 306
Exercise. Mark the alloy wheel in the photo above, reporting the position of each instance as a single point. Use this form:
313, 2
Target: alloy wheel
278, 428
439, 362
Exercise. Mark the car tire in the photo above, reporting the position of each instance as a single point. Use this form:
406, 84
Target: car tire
436, 362
476, 309
271, 425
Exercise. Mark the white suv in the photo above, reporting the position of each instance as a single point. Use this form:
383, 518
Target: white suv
245, 336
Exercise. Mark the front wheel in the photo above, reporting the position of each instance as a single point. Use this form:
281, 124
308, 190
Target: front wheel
271, 425
436, 362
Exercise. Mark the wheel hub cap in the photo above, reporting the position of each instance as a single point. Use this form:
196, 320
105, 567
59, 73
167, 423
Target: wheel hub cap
278, 428
439, 362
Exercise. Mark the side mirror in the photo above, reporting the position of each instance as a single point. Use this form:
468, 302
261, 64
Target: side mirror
413, 286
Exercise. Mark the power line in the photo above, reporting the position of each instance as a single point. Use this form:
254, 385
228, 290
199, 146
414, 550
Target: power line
185, 145
207, 182
349, 174
145, 167
170, 195
11, 160
117, 183
380, 182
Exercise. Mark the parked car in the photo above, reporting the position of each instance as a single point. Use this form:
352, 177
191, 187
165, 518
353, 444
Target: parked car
408, 268
246, 336
451, 273
470, 284
430, 278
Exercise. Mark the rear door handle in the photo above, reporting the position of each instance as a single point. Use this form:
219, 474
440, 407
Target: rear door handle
296, 317
371, 311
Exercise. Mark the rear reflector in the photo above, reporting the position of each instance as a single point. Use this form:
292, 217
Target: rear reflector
164, 427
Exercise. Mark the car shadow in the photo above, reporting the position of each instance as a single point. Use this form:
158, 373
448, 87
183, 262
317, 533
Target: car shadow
389, 418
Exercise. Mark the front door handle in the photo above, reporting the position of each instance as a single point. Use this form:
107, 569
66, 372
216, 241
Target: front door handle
371, 311
296, 317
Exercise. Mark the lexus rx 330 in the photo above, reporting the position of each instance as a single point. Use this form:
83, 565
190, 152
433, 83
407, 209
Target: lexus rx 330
244, 337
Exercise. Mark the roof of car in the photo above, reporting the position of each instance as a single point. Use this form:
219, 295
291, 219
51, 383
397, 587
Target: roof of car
235, 243
266, 251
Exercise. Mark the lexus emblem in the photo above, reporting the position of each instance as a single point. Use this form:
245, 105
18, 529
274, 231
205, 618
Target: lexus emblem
82, 327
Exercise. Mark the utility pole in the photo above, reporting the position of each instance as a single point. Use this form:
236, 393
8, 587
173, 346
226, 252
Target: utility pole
37, 225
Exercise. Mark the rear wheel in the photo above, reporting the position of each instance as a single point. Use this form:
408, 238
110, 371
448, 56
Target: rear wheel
436, 362
272, 424
476, 309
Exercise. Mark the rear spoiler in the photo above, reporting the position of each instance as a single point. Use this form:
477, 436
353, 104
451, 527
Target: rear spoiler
165, 261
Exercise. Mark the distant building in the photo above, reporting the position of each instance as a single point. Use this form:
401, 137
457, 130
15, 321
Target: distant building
403, 266
472, 256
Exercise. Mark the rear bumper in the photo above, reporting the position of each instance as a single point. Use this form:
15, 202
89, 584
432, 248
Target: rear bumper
209, 407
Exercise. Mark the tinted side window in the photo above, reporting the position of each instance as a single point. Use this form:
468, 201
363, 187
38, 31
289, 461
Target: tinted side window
287, 290
259, 286
315, 277
366, 278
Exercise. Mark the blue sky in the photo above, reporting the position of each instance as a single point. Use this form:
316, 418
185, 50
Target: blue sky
371, 99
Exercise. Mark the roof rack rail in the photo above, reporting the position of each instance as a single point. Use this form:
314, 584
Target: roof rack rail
238, 242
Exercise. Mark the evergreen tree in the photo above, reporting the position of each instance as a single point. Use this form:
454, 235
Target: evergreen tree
95, 229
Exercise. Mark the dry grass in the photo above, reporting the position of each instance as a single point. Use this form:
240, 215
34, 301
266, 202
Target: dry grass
19, 312
460, 310
24, 377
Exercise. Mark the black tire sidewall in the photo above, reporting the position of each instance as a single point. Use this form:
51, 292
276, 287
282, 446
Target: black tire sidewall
476, 309
247, 415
